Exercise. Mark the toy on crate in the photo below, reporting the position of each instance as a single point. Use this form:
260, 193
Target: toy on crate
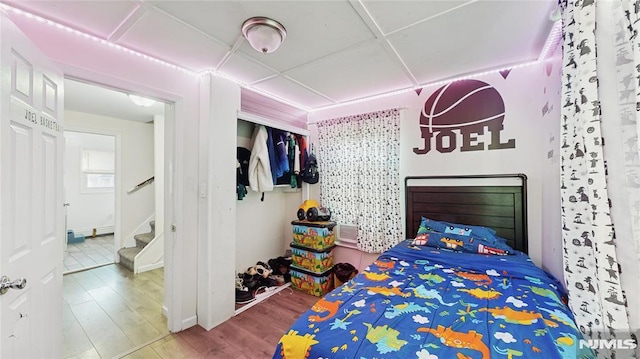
311, 211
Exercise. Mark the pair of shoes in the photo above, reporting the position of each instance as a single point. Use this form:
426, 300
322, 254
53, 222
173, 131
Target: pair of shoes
278, 278
280, 265
244, 297
243, 293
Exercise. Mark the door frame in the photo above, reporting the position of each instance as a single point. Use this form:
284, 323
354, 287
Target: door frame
173, 297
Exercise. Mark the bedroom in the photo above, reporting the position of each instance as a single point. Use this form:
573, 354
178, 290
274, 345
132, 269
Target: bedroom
523, 88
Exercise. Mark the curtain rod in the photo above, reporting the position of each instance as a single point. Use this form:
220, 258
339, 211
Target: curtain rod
316, 121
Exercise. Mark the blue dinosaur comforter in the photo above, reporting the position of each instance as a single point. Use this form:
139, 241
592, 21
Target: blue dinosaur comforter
419, 302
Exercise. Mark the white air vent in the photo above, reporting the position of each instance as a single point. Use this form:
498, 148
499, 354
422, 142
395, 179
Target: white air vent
347, 236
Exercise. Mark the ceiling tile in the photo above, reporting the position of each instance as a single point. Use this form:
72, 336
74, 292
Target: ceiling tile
160, 35
314, 29
357, 72
244, 69
99, 18
393, 15
474, 38
282, 87
219, 19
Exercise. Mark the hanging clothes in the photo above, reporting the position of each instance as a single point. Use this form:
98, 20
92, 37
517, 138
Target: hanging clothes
294, 158
280, 149
273, 162
259, 164
302, 144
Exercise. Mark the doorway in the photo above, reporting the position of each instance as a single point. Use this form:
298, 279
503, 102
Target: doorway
114, 293
89, 192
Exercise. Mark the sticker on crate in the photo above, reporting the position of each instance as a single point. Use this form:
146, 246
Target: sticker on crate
313, 260
311, 283
313, 237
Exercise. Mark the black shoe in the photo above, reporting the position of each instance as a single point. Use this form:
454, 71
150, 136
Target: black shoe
244, 296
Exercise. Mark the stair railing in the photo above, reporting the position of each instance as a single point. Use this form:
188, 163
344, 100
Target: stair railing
141, 184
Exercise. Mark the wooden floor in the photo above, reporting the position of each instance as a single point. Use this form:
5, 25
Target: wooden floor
108, 311
252, 334
111, 313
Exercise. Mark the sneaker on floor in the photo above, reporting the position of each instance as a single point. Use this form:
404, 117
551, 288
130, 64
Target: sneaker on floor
244, 296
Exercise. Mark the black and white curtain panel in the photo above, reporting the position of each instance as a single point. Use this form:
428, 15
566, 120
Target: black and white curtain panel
359, 161
601, 169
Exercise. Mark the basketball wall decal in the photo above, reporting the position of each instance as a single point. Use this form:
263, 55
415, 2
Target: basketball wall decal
466, 107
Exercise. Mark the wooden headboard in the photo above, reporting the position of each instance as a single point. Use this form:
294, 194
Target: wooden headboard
494, 201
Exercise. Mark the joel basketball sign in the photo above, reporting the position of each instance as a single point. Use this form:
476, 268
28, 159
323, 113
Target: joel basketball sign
458, 114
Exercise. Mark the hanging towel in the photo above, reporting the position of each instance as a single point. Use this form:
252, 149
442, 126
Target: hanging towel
259, 166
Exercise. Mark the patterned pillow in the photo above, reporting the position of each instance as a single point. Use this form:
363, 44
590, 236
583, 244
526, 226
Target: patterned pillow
485, 234
458, 243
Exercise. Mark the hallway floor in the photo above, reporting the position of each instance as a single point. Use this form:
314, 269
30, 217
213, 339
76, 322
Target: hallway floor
90, 253
109, 311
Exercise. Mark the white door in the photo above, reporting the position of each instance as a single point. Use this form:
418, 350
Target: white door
31, 212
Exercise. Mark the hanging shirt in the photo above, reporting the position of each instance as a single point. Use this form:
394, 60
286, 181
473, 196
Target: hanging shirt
259, 165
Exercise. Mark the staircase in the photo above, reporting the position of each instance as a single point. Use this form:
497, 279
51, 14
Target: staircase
127, 255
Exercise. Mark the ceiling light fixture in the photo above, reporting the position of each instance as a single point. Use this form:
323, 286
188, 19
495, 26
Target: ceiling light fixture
264, 34
141, 101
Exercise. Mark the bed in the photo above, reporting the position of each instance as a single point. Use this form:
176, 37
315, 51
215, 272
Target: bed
434, 296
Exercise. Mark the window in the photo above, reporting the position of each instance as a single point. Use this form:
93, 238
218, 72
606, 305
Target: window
97, 171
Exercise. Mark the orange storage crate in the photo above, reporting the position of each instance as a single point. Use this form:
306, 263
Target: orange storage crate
314, 235
317, 284
315, 260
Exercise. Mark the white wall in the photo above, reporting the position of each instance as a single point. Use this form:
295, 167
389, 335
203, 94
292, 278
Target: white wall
522, 92
549, 155
86, 210
134, 141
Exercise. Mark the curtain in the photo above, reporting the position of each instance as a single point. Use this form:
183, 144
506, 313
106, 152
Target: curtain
600, 168
359, 162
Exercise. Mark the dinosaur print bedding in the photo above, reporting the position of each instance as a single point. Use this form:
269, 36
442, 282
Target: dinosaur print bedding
420, 302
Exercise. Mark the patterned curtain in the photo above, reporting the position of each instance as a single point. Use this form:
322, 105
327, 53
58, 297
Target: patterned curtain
359, 162
593, 114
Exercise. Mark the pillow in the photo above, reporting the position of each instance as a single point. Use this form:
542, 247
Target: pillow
459, 243
478, 232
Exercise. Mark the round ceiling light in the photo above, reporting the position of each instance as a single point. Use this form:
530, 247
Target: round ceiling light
264, 34
142, 101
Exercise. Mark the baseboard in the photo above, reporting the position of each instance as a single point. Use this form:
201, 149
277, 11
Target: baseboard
165, 311
261, 298
189, 322
149, 267
88, 232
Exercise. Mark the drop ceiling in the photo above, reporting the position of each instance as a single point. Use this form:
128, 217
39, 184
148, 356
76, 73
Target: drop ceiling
335, 51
